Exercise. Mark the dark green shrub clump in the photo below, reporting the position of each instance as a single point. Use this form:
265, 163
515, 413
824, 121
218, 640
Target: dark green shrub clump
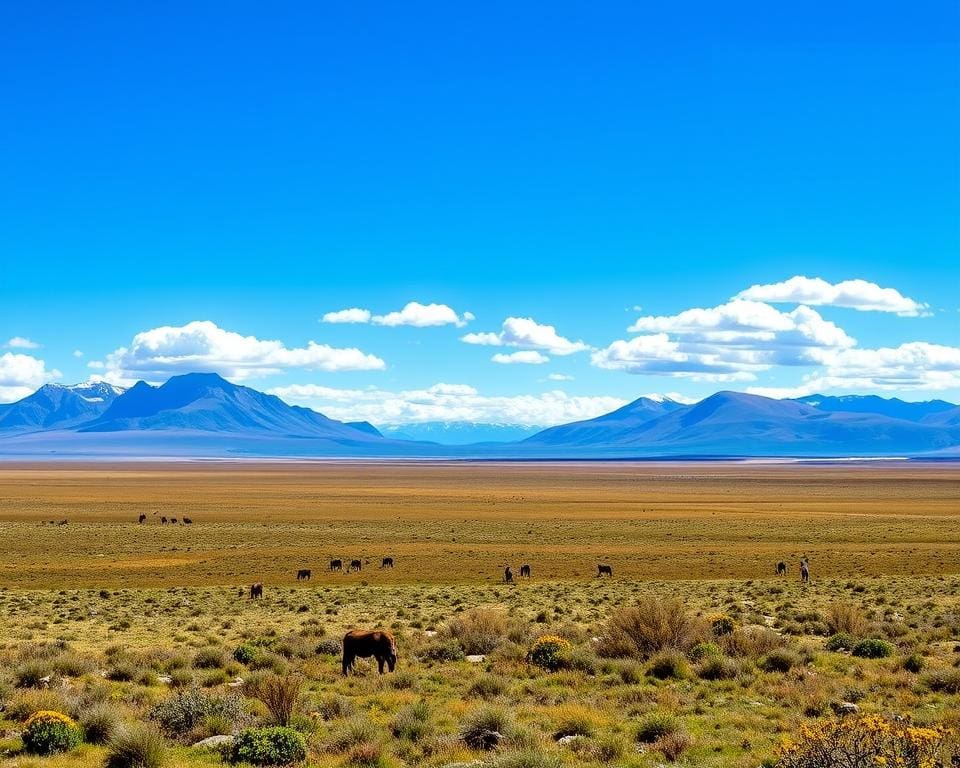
268, 746
781, 660
48, 733
181, 713
668, 666
655, 726
872, 648
137, 747
842, 641
483, 728
99, 723
246, 653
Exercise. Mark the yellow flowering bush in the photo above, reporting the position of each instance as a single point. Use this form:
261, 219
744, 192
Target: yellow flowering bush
866, 742
721, 624
550, 652
47, 732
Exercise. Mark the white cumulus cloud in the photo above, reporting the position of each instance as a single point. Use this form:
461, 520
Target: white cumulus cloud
19, 342
853, 294
423, 315
527, 333
352, 315
446, 402
526, 356
21, 375
201, 345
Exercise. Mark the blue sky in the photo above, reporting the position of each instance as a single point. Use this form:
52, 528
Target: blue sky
232, 173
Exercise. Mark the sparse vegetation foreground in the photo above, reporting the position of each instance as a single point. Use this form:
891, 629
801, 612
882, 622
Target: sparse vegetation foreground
849, 671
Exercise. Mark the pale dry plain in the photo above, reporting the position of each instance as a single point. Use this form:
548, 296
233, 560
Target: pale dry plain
460, 522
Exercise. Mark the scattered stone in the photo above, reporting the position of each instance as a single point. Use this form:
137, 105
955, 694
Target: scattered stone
166, 679
235, 683
430, 633
846, 708
565, 741
477, 658
212, 742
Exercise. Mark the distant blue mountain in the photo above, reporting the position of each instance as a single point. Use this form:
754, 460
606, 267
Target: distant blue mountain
459, 432
207, 402
949, 418
893, 407
56, 406
612, 428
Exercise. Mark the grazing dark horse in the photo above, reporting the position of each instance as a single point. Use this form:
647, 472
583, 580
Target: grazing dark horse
355, 565
256, 590
336, 565
141, 518
303, 573
804, 571
524, 571
163, 521
187, 521
173, 521
508, 575
604, 569
366, 643
387, 562
781, 568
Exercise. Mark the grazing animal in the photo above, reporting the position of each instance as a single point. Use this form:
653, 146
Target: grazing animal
173, 521
781, 568
524, 571
366, 643
163, 521
141, 519
356, 565
508, 575
387, 562
256, 590
604, 569
303, 573
336, 565
62, 522
804, 571
187, 521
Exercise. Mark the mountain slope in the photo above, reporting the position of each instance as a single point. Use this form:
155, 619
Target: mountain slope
610, 428
893, 407
206, 402
55, 406
459, 432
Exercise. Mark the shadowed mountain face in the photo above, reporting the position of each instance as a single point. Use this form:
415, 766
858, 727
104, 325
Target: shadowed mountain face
611, 428
207, 402
55, 406
893, 407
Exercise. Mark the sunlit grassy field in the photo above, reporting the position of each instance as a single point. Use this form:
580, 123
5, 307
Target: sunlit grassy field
122, 617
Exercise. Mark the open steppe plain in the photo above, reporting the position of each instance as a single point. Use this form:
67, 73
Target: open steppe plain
123, 616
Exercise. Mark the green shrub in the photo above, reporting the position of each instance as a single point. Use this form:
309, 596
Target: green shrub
943, 681
99, 723
650, 627
276, 745
721, 624
914, 663
48, 733
872, 648
246, 653
481, 726
479, 630
550, 652
355, 731
841, 641
31, 674
527, 758
443, 650
668, 666
655, 726
702, 651
487, 687
137, 747
329, 646
181, 713
413, 722
209, 658
718, 668
780, 660
281, 695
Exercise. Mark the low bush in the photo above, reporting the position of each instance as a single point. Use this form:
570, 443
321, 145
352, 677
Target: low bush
210, 658
281, 695
488, 687
779, 660
179, 714
841, 641
276, 745
655, 726
139, 746
721, 624
872, 648
550, 652
846, 618
943, 681
717, 668
650, 627
99, 723
673, 745
479, 630
48, 733
484, 727
246, 653
413, 722
669, 666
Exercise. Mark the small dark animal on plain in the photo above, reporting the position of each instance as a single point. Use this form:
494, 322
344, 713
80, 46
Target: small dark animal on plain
187, 521
355, 565
524, 571
804, 572
366, 643
256, 590
303, 573
508, 575
781, 568
141, 518
173, 521
387, 562
336, 565
163, 521
604, 569
62, 522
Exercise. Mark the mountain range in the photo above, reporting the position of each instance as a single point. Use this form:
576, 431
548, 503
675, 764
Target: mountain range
204, 415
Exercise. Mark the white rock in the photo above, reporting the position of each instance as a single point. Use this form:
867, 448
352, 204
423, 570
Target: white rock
211, 742
477, 658
164, 679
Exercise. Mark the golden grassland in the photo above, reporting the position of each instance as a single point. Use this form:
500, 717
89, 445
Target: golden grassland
111, 609
463, 522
